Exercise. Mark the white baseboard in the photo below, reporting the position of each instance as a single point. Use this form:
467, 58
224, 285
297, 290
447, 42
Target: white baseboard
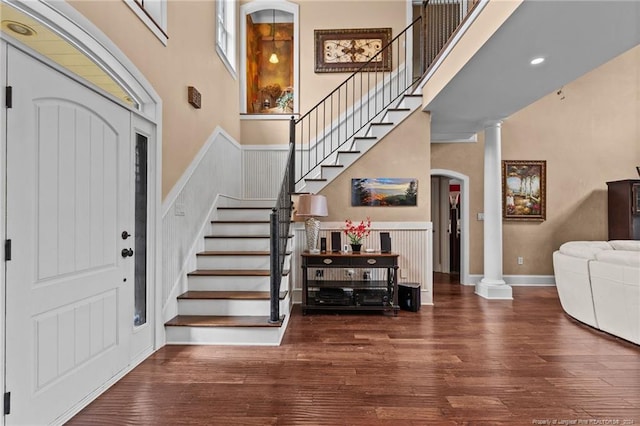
523, 280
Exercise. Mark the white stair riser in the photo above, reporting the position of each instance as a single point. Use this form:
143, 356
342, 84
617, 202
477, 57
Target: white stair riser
364, 144
233, 283
411, 102
259, 336
239, 229
229, 202
379, 131
231, 307
314, 187
331, 172
236, 262
236, 244
236, 283
396, 116
233, 262
243, 214
345, 159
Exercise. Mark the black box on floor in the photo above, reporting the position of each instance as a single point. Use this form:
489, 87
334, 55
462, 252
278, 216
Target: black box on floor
409, 296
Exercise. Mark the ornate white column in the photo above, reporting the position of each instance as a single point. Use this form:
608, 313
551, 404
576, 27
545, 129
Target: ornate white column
492, 286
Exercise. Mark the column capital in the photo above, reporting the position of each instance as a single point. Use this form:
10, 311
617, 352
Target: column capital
493, 124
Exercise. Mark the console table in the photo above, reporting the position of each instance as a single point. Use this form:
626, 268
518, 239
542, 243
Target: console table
341, 281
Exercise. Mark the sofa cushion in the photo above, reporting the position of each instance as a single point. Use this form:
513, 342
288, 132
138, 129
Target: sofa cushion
629, 245
584, 249
620, 257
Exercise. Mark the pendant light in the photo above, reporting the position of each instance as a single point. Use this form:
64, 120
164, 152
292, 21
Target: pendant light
273, 58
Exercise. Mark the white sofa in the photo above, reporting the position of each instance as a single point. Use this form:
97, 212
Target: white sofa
598, 283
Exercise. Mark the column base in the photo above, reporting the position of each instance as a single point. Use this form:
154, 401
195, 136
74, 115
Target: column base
494, 289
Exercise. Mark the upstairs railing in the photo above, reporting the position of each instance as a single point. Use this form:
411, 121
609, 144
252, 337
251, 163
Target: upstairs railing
360, 99
441, 20
333, 122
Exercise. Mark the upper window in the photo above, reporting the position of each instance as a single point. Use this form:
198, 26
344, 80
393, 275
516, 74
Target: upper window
154, 14
226, 33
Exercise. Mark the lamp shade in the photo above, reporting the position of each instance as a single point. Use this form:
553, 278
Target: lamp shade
312, 205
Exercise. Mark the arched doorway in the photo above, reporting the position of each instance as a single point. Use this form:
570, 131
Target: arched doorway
463, 225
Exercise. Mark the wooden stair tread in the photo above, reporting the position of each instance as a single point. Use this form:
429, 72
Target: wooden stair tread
365, 137
243, 236
236, 253
332, 165
348, 152
228, 295
233, 273
386, 123
247, 221
222, 321
315, 180
244, 208
399, 109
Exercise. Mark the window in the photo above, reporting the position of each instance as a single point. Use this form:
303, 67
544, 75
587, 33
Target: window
154, 14
226, 33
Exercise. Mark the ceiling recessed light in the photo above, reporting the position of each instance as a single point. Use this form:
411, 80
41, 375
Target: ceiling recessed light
19, 28
537, 61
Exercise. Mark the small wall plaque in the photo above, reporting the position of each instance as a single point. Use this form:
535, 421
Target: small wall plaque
194, 97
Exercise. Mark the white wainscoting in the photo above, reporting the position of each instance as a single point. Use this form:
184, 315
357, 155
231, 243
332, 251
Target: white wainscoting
411, 240
263, 170
217, 169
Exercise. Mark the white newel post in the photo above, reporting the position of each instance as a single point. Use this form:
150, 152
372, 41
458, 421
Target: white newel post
492, 286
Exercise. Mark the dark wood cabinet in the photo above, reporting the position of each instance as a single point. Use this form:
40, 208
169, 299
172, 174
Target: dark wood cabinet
623, 201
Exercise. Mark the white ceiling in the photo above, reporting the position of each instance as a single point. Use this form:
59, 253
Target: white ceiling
574, 37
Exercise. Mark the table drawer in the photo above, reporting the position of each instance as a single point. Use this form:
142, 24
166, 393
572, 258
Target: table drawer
373, 261
327, 261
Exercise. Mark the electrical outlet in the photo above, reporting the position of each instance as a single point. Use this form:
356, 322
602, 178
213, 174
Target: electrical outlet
319, 273
349, 273
520, 260
403, 274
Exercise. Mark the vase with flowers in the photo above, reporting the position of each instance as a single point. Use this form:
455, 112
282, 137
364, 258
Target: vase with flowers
356, 233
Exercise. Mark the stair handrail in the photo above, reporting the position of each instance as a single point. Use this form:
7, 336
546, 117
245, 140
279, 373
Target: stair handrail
280, 221
375, 95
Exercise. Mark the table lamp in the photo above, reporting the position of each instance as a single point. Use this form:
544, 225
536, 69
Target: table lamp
312, 206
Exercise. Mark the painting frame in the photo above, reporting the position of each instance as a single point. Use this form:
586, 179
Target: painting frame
384, 192
524, 190
353, 36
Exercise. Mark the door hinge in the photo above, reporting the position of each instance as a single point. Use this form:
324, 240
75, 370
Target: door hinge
8, 97
7, 403
7, 250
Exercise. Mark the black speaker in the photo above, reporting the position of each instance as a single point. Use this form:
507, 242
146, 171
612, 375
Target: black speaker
385, 242
323, 244
335, 242
409, 296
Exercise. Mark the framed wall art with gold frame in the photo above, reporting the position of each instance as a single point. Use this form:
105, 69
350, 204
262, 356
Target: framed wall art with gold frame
524, 190
348, 50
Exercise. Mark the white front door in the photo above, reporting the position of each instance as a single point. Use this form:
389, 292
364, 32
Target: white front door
69, 294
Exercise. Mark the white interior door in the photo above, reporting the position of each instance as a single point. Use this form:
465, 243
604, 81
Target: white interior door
69, 290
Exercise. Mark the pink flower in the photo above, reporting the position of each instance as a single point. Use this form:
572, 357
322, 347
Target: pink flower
356, 233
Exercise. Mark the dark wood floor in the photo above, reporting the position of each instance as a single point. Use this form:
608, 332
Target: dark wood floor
464, 361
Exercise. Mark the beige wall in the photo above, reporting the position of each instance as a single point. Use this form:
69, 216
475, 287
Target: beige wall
403, 153
315, 15
588, 138
189, 59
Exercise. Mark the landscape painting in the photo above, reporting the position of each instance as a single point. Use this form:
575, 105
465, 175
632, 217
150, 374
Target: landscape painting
384, 192
523, 190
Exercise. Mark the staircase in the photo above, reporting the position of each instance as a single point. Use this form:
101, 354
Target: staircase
227, 301
359, 144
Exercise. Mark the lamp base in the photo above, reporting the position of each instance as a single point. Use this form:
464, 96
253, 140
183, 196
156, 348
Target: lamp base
312, 229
